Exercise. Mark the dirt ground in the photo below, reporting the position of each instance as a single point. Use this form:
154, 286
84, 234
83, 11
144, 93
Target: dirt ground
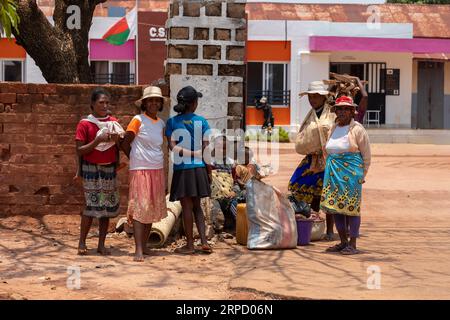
405, 234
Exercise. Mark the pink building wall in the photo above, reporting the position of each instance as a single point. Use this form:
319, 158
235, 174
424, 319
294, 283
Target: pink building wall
102, 50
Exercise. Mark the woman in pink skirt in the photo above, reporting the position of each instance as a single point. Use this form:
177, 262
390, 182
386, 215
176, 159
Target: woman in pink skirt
143, 145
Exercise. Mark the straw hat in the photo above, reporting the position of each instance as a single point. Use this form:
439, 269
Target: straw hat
150, 92
316, 87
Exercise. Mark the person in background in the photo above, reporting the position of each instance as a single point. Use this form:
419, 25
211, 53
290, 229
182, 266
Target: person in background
147, 191
186, 133
268, 114
98, 151
348, 158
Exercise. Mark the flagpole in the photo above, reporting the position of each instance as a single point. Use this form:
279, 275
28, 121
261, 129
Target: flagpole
136, 66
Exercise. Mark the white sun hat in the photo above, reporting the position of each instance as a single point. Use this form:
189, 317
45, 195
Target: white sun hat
150, 92
319, 87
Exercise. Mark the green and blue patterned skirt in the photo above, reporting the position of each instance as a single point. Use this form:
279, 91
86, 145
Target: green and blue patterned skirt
342, 185
100, 190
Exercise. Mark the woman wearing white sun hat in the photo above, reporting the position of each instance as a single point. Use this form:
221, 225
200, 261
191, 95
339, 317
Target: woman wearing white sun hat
307, 181
143, 145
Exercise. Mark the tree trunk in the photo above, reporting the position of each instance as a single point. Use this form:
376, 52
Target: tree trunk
62, 54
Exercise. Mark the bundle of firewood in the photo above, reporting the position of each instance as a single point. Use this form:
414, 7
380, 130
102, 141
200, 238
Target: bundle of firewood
343, 84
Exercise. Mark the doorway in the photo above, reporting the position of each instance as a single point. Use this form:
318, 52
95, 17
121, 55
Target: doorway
430, 95
374, 73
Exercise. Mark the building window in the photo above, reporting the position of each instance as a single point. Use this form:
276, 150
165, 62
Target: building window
270, 80
113, 72
11, 70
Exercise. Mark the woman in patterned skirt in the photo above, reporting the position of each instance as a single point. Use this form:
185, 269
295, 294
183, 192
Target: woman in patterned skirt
98, 151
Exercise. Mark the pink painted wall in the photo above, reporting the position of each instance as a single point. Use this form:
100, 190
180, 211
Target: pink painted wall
417, 45
102, 50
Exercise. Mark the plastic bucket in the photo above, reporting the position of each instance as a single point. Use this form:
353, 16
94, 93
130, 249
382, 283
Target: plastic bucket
304, 229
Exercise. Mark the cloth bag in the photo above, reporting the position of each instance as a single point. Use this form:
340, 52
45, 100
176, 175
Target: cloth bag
271, 218
108, 127
313, 132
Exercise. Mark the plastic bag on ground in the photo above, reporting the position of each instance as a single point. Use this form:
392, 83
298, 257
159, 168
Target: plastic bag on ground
271, 218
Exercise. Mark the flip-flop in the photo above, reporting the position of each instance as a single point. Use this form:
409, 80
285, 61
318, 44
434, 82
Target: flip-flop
184, 250
350, 251
329, 237
82, 251
337, 248
204, 249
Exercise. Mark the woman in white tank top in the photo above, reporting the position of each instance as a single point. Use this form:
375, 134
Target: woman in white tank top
147, 190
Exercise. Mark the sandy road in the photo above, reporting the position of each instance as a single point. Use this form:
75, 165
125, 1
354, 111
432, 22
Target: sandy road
405, 235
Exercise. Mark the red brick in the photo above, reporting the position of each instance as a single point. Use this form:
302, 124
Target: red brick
17, 117
42, 148
57, 118
38, 138
47, 88
62, 139
37, 98
29, 159
21, 107
2, 107
33, 87
7, 98
9, 87
56, 108
12, 138
58, 199
54, 98
24, 98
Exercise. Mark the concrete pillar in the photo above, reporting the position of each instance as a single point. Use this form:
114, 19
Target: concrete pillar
206, 49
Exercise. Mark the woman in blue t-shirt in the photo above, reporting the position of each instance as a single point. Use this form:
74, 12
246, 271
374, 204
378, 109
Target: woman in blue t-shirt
191, 176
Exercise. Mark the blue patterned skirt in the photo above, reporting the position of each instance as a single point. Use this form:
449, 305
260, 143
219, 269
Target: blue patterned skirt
344, 175
100, 190
306, 185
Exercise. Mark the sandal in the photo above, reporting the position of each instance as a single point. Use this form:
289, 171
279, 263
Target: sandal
350, 251
337, 248
329, 237
82, 251
205, 248
184, 250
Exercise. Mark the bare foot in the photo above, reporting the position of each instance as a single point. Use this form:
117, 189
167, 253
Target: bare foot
138, 257
82, 250
103, 251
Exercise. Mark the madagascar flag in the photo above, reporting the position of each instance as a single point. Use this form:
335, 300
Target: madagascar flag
118, 34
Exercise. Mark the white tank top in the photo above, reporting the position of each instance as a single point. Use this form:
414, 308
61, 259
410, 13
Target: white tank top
338, 142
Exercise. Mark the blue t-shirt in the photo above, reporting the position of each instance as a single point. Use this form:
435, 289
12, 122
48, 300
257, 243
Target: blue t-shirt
189, 131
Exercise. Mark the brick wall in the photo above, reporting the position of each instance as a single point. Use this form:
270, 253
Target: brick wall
206, 49
37, 147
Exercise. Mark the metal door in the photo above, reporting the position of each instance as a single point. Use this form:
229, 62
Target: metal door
376, 89
430, 95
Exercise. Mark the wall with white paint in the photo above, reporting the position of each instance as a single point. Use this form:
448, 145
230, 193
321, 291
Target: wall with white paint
33, 73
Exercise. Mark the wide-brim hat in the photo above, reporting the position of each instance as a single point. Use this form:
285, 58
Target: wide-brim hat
318, 87
150, 92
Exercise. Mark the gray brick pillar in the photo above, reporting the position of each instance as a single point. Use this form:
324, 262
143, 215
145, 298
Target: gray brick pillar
206, 49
